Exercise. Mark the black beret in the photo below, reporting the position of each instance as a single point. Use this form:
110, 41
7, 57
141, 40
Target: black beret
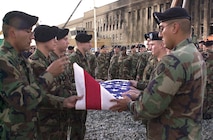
19, 20
44, 33
133, 46
201, 41
123, 48
146, 36
83, 37
70, 47
141, 46
62, 33
208, 43
152, 36
117, 46
103, 46
171, 14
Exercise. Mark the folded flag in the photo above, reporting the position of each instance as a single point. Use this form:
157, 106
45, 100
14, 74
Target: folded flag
116, 87
95, 96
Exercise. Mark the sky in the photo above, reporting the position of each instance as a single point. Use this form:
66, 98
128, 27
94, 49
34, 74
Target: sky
51, 12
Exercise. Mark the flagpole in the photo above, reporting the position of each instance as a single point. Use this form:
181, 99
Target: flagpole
95, 31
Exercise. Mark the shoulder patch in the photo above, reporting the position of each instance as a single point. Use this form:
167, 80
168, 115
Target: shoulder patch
160, 68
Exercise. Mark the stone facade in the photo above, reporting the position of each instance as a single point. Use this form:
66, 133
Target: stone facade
126, 21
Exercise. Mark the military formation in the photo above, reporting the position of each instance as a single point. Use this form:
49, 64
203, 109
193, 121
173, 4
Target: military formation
171, 79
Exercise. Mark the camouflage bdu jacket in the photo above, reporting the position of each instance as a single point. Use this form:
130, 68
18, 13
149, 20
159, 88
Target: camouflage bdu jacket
113, 67
20, 96
53, 122
125, 67
147, 72
80, 115
103, 61
92, 63
141, 64
208, 98
172, 101
135, 58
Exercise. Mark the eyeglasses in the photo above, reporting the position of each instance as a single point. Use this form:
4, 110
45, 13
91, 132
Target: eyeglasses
161, 28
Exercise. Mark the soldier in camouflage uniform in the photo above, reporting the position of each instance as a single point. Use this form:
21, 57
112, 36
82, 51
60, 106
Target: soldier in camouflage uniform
92, 62
172, 101
81, 58
103, 61
142, 62
113, 66
21, 93
53, 123
124, 65
134, 56
208, 98
158, 51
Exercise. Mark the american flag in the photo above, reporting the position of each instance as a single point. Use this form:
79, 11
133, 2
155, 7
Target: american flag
116, 87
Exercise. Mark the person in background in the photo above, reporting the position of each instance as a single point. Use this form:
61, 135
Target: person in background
20, 92
124, 65
103, 61
113, 67
134, 56
70, 49
208, 97
172, 101
143, 57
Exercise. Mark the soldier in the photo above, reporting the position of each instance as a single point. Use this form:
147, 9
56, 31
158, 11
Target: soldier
81, 58
70, 49
157, 51
124, 65
113, 66
172, 101
151, 60
103, 61
142, 62
52, 122
134, 56
21, 93
208, 98
92, 62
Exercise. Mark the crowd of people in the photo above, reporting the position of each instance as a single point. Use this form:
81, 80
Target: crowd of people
170, 76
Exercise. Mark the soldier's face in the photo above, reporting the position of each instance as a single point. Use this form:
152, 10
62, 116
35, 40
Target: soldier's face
87, 46
62, 44
22, 38
166, 32
157, 48
51, 45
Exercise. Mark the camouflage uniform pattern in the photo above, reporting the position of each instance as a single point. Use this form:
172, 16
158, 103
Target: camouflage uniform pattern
141, 64
20, 96
53, 122
151, 64
92, 63
208, 98
172, 101
80, 115
113, 67
125, 67
103, 62
134, 57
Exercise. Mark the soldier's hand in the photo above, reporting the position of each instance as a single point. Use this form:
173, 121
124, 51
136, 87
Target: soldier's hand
122, 104
71, 101
133, 83
133, 94
58, 66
